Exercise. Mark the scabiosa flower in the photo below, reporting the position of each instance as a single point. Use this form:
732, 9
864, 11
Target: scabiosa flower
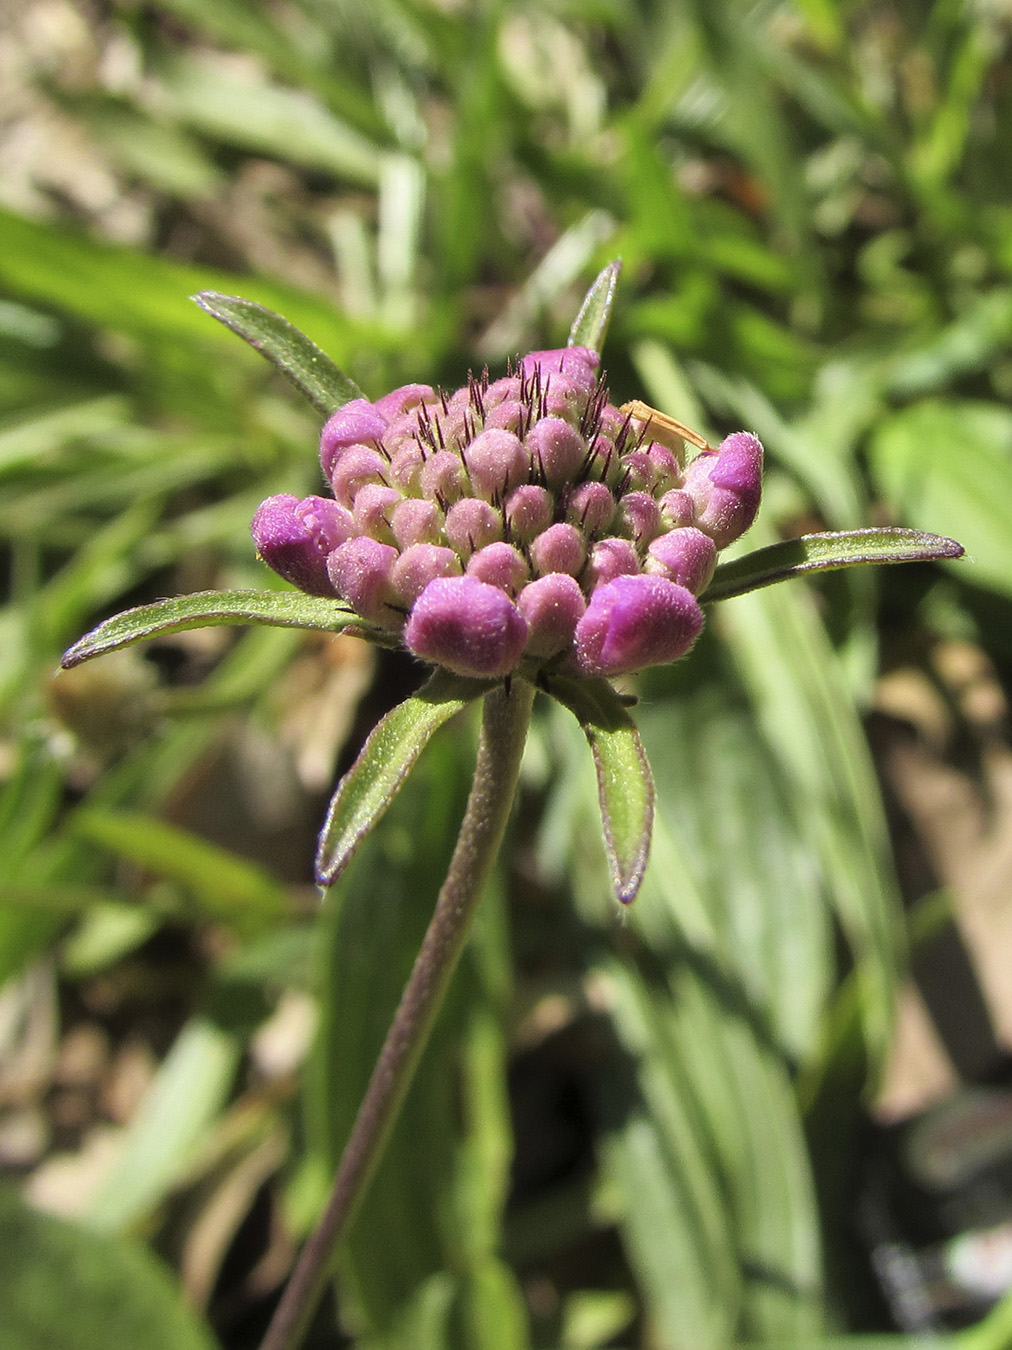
525, 523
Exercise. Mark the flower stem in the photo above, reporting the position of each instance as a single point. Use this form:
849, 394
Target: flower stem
506, 717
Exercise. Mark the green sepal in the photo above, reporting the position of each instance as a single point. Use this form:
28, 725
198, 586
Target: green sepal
591, 324
823, 553
298, 358
383, 764
209, 609
625, 784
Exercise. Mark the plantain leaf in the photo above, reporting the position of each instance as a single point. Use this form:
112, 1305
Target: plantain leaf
823, 553
625, 784
300, 360
591, 324
208, 609
384, 762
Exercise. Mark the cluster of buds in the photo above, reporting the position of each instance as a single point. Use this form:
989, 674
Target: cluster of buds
524, 520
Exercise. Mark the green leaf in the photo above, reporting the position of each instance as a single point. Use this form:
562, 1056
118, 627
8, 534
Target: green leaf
173, 1120
952, 463
624, 781
311, 371
208, 609
384, 762
591, 324
231, 889
823, 553
67, 1288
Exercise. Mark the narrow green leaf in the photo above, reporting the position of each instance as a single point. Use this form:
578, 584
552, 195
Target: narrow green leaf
385, 761
71, 1289
624, 782
591, 324
823, 553
227, 887
300, 360
208, 609
189, 1090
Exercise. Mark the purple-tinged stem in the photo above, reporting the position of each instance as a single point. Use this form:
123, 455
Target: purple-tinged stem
506, 717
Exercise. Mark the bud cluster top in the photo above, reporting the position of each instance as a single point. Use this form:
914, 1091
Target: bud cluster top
522, 520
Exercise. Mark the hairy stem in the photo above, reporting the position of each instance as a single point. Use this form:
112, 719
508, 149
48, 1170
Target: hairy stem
503, 732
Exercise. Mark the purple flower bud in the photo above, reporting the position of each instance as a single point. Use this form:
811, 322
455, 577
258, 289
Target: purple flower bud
666, 467
467, 626
495, 462
551, 607
500, 565
354, 467
591, 508
510, 415
417, 566
373, 510
402, 400
634, 622
579, 363
726, 485
360, 571
556, 450
506, 390
610, 558
443, 476
687, 556
677, 509
528, 511
416, 521
641, 516
472, 524
560, 548
405, 469
289, 546
357, 423
328, 523
564, 397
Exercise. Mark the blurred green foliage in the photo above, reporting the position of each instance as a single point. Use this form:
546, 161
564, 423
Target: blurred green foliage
812, 202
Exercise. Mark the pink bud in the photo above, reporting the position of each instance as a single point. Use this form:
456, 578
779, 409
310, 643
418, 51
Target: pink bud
328, 523
360, 571
472, 524
556, 450
417, 566
416, 521
443, 477
687, 556
373, 510
356, 423
402, 400
560, 548
290, 546
528, 511
579, 363
551, 607
500, 565
610, 558
406, 463
467, 626
505, 390
510, 415
641, 516
634, 622
591, 508
726, 485
495, 463
354, 467
677, 509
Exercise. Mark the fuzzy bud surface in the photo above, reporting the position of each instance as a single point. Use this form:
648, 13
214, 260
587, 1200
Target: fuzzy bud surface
521, 521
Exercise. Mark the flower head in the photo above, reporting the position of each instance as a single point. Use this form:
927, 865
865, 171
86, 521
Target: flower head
522, 521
